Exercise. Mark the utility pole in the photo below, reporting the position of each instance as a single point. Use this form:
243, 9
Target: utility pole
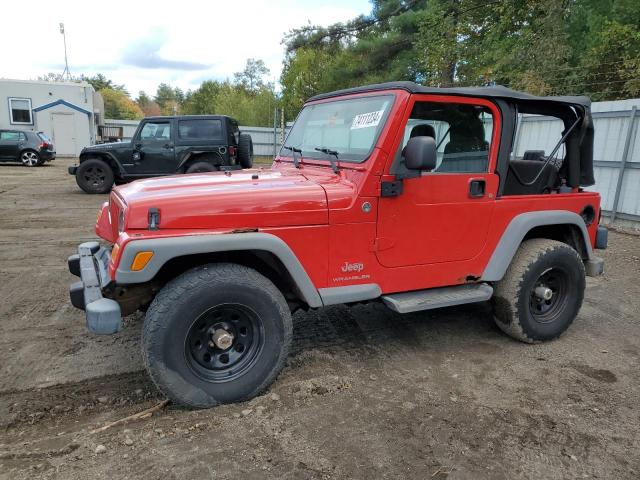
66, 63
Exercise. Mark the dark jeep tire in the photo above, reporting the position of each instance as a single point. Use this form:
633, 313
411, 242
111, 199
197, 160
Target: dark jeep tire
541, 292
94, 176
245, 151
180, 328
200, 167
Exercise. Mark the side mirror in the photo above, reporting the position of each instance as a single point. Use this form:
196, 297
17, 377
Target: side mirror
420, 153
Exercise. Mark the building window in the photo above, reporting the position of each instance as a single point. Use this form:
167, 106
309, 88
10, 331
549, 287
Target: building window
20, 111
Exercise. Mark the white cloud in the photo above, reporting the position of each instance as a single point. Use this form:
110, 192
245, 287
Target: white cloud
142, 44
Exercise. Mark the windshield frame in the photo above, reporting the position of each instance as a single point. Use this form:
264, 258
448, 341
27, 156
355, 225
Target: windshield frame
321, 157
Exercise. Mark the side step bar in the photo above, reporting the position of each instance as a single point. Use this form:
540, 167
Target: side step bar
437, 297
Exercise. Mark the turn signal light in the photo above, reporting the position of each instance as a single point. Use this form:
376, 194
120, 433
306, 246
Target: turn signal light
114, 251
140, 261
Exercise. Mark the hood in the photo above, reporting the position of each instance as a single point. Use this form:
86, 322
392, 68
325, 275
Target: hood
108, 146
238, 199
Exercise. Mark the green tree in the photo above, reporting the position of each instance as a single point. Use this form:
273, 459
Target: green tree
143, 99
305, 73
202, 101
100, 82
541, 46
167, 99
251, 78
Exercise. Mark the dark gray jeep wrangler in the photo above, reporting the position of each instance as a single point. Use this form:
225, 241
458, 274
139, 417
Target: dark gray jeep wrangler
165, 146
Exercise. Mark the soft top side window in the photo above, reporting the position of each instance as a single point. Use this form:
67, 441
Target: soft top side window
462, 133
200, 129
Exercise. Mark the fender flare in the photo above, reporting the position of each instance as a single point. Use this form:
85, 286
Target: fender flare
518, 228
112, 157
164, 249
187, 156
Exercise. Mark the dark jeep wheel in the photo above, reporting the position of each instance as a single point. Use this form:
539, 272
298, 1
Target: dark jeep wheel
245, 151
200, 167
218, 333
94, 176
541, 292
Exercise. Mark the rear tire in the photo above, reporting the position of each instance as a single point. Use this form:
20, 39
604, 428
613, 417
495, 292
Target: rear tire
245, 151
94, 176
200, 167
179, 335
541, 268
30, 158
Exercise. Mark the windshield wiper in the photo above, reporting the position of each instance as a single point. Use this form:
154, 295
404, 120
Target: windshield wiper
328, 151
294, 150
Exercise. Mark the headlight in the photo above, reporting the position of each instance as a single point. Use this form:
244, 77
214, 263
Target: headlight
121, 221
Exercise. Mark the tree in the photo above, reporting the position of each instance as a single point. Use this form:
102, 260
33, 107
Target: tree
251, 77
168, 98
203, 100
540, 46
100, 82
119, 106
143, 99
57, 77
303, 76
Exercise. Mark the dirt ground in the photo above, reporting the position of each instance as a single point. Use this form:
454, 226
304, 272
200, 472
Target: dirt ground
366, 393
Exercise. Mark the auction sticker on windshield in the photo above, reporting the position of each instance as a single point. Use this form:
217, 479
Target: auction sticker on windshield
366, 120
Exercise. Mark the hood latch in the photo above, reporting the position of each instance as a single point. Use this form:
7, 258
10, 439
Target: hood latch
154, 219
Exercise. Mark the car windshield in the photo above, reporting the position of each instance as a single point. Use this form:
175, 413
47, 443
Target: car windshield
348, 127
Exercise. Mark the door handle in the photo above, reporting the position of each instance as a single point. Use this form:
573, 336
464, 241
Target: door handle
168, 146
477, 187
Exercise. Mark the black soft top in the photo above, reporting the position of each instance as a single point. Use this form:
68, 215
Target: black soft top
576, 170
497, 91
189, 117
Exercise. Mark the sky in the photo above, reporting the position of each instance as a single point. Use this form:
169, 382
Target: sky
143, 43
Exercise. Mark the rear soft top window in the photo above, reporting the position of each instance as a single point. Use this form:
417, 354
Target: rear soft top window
200, 129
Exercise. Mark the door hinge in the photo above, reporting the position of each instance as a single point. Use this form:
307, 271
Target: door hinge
391, 189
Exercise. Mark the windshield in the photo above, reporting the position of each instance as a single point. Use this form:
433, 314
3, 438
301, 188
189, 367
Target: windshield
348, 127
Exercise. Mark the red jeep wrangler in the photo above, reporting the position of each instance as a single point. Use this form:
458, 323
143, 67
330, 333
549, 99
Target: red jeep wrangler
393, 193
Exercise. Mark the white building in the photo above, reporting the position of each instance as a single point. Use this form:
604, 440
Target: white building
67, 112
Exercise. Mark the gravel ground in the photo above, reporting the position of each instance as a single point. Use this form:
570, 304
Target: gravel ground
366, 393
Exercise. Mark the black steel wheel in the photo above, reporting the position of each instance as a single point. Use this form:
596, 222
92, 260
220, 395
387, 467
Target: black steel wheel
541, 293
94, 176
548, 297
224, 342
218, 333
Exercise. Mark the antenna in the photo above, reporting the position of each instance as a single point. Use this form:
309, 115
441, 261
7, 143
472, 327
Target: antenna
66, 71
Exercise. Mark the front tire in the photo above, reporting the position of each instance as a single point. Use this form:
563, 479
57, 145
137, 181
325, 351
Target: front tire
94, 176
218, 333
541, 292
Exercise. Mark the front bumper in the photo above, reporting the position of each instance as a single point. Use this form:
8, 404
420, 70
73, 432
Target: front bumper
72, 169
91, 265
